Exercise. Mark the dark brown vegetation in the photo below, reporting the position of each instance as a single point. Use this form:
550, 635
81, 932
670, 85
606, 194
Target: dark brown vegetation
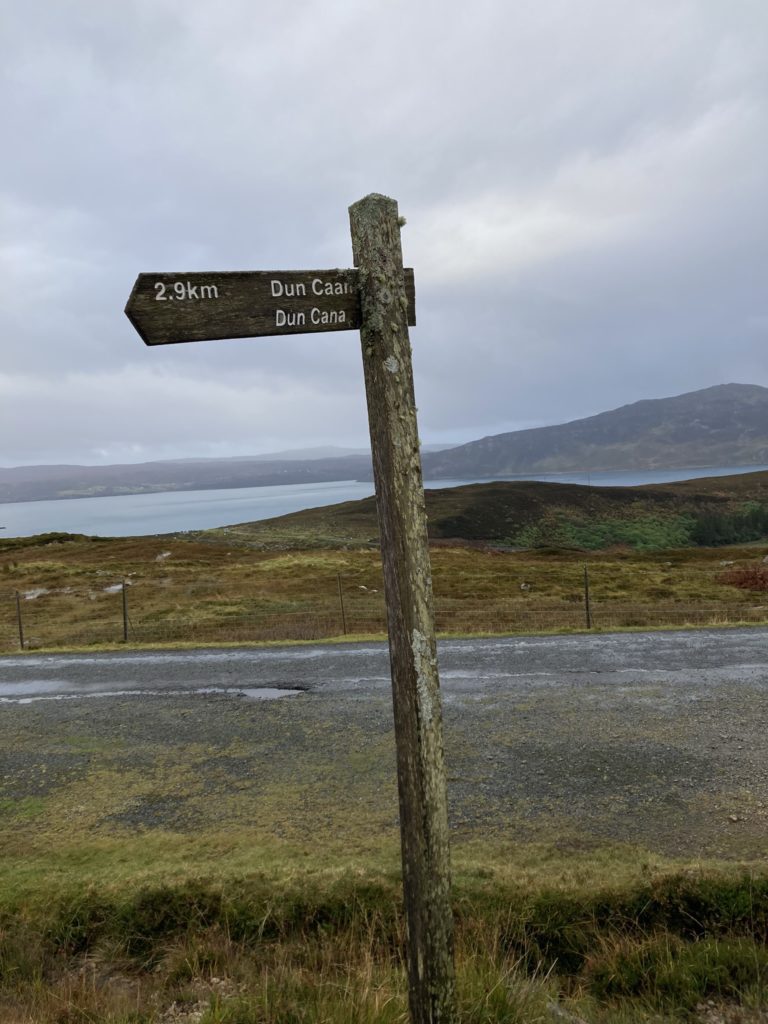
237, 924
507, 557
747, 577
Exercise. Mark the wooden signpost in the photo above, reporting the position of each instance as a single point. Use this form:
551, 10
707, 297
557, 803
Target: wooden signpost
378, 299
167, 309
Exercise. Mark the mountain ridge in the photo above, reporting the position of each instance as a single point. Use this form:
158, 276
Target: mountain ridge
723, 425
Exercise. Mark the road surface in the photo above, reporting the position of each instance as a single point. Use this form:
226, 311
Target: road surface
682, 660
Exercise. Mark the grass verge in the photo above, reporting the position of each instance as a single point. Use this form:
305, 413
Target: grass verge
541, 935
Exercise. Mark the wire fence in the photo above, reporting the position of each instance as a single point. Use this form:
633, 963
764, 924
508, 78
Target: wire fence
151, 611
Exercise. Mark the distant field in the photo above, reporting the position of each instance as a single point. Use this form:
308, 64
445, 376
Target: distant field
507, 557
177, 590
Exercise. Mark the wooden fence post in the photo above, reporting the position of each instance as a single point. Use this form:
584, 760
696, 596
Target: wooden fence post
375, 227
125, 613
587, 605
341, 604
19, 621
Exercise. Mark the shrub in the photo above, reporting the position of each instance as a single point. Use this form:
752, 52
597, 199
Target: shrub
715, 528
746, 577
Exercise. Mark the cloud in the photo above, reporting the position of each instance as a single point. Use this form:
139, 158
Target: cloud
582, 184
167, 412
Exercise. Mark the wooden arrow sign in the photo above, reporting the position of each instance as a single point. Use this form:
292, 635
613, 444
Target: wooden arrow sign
170, 308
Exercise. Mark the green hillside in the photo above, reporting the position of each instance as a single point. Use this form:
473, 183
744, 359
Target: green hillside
710, 511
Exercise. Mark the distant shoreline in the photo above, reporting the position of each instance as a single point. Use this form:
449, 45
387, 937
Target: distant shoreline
590, 477
163, 512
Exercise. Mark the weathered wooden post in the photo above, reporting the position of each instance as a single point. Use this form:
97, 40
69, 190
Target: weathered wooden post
125, 612
587, 604
341, 604
378, 298
408, 590
19, 621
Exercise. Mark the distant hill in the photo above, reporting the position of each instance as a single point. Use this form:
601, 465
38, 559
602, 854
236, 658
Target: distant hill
305, 466
709, 511
726, 425
35, 483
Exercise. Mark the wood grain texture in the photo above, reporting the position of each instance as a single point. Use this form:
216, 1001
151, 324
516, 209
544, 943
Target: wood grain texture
408, 590
170, 308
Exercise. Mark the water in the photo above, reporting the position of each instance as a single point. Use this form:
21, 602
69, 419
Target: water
135, 515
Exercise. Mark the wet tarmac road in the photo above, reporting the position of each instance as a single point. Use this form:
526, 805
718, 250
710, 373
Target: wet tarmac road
681, 660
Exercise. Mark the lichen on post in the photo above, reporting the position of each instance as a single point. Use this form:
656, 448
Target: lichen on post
376, 248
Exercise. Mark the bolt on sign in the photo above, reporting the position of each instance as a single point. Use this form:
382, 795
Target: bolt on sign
377, 298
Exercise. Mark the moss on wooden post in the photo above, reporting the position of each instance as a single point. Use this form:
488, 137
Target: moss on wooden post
408, 589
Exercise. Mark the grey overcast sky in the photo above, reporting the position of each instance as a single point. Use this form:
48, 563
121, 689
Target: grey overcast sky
584, 183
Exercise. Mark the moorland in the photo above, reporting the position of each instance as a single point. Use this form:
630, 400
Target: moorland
507, 557
277, 900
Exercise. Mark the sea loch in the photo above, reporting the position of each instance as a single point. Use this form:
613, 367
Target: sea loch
135, 515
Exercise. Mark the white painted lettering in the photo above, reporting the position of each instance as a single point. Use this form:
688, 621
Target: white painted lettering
284, 318
321, 287
327, 316
291, 291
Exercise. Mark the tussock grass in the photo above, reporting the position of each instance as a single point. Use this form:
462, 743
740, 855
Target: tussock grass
317, 948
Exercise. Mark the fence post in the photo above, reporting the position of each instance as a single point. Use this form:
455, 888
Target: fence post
18, 619
125, 613
587, 605
341, 604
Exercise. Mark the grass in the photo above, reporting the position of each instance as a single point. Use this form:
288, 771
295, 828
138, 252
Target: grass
280, 579
538, 936
641, 532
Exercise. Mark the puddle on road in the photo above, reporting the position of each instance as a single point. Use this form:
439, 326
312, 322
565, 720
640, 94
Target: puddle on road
32, 686
250, 693
269, 693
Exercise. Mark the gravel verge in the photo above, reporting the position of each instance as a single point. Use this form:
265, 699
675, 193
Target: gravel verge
588, 741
